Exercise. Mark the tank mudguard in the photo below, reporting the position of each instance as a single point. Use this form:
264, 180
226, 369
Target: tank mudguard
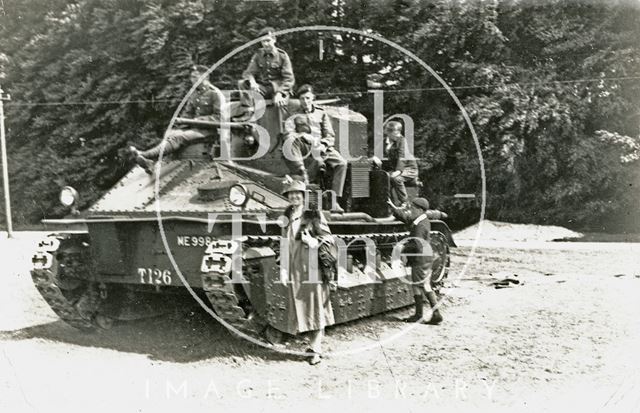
441, 226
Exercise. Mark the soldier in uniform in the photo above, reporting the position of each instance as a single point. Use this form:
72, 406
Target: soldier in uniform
298, 146
401, 170
420, 258
205, 103
323, 138
269, 73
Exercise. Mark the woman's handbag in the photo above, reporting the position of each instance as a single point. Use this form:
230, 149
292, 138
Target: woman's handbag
328, 258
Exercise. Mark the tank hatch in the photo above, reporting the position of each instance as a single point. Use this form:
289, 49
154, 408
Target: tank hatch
214, 190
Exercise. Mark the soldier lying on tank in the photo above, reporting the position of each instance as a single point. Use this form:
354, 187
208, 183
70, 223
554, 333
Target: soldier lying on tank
205, 103
420, 258
323, 139
269, 73
401, 170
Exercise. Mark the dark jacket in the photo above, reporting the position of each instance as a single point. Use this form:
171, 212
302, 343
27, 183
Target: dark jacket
420, 230
396, 157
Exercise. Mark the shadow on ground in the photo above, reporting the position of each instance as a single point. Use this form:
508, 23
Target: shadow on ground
189, 335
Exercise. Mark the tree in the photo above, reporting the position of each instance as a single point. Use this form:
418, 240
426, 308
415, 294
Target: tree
551, 88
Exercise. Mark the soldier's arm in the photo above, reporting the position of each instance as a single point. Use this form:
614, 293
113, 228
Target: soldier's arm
401, 214
218, 103
252, 70
328, 135
289, 126
286, 72
189, 110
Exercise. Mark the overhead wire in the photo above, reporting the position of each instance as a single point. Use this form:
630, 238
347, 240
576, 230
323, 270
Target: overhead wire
338, 93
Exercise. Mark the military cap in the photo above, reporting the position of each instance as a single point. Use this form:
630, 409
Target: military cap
199, 69
266, 31
421, 203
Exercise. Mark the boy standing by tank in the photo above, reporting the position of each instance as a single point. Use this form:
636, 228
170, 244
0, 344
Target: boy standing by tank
420, 258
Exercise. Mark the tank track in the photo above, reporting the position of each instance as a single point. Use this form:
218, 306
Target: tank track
75, 301
225, 297
221, 293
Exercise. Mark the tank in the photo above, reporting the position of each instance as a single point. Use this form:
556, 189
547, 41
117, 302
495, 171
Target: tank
110, 262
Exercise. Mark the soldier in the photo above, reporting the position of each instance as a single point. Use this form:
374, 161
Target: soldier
420, 259
269, 73
205, 103
401, 170
323, 139
298, 146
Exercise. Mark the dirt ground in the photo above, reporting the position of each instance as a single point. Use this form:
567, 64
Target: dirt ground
566, 337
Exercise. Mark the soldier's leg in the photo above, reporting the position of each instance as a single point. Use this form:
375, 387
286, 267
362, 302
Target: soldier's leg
338, 165
398, 184
247, 103
432, 299
174, 140
245, 98
418, 294
293, 151
314, 168
398, 190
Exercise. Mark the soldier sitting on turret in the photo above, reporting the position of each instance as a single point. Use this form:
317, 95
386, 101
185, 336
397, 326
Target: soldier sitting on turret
269, 73
298, 146
205, 103
322, 139
402, 169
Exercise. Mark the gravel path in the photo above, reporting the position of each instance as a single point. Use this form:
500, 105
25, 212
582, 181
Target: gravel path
566, 337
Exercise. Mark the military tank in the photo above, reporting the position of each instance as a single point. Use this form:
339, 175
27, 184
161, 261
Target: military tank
115, 260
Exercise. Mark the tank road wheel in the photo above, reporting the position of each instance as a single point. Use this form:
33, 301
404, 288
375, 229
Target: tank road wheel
58, 265
441, 258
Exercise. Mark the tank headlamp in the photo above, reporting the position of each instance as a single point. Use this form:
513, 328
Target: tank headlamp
68, 196
238, 195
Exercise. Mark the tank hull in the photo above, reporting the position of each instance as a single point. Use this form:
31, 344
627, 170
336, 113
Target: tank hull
138, 256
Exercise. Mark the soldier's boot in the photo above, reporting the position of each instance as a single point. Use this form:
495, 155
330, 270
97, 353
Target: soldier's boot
436, 317
337, 208
419, 303
143, 162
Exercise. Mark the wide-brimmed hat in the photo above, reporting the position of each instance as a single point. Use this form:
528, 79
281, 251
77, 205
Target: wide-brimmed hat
294, 186
421, 203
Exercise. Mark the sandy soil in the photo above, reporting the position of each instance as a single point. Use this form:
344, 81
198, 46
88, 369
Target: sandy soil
567, 337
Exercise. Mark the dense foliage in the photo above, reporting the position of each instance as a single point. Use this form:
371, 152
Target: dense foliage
552, 89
